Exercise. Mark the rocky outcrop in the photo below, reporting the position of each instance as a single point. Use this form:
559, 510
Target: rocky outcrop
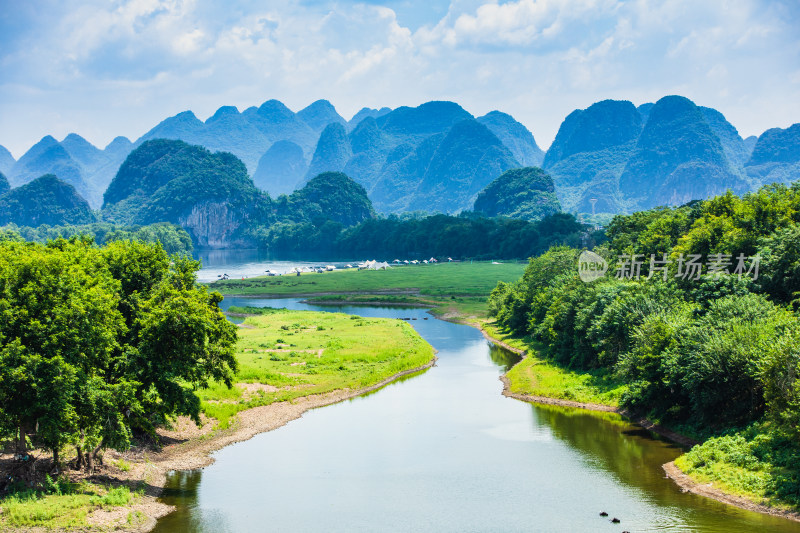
214, 225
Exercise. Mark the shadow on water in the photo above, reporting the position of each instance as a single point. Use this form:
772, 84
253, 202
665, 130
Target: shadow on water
503, 358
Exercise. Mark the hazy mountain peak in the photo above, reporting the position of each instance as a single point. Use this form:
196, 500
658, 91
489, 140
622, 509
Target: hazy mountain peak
332, 152
366, 136
735, 149
81, 150
275, 111
281, 168
75, 138
777, 145
6, 160
319, 114
426, 119
224, 111
678, 158
515, 136
187, 116
118, 142
600, 126
365, 112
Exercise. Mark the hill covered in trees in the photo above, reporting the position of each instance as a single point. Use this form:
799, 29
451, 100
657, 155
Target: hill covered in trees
210, 195
526, 193
45, 200
213, 198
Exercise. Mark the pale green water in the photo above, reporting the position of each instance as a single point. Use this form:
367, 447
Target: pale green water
445, 451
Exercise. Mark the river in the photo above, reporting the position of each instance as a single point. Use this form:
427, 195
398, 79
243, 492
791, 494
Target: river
445, 451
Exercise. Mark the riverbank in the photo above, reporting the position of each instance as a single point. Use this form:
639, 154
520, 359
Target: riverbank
686, 482
289, 362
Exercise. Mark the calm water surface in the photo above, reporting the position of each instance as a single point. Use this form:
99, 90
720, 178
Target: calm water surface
445, 451
247, 263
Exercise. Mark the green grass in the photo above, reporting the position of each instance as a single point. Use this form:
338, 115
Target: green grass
443, 279
538, 376
758, 463
280, 349
462, 307
65, 508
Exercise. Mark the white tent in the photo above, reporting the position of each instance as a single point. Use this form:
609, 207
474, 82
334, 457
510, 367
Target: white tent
379, 266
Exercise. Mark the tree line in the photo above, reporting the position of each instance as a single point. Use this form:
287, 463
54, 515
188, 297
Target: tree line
172, 237
464, 236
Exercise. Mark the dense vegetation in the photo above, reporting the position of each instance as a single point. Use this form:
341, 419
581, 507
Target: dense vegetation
527, 193
715, 354
96, 343
172, 238
45, 200
465, 236
328, 197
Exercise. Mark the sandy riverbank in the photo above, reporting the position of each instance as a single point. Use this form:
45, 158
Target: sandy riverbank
189, 447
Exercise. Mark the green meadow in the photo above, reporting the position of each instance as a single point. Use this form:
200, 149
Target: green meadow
538, 376
285, 354
449, 288
442, 279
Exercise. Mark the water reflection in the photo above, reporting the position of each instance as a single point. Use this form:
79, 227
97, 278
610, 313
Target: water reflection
504, 359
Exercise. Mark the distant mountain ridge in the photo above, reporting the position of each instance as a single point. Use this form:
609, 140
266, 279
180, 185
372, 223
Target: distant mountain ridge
75, 161
610, 157
614, 157
434, 157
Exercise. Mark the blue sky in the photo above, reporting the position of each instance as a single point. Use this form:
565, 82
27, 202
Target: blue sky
103, 69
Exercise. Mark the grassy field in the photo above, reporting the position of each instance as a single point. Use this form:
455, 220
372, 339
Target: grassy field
286, 354
62, 505
449, 288
443, 279
537, 376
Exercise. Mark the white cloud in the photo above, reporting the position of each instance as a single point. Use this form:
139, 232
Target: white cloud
104, 69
